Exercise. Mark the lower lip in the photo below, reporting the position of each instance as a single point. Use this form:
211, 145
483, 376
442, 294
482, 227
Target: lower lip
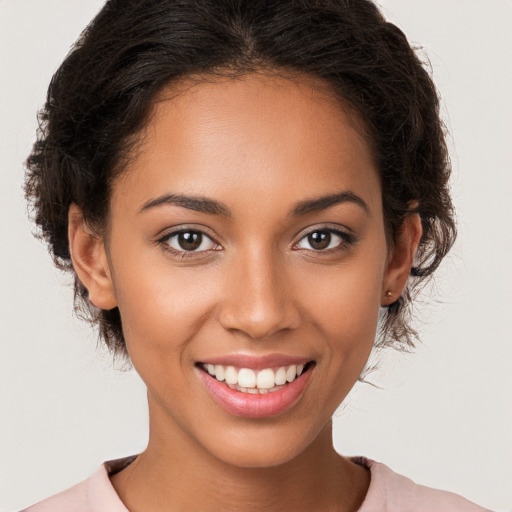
253, 405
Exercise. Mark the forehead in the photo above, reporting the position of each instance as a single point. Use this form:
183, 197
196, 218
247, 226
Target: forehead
258, 134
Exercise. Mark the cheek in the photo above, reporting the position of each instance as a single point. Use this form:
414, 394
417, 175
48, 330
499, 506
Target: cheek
344, 303
161, 307
161, 312
345, 317
348, 321
169, 311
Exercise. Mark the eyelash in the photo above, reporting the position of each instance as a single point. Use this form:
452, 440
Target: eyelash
346, 239
165, 240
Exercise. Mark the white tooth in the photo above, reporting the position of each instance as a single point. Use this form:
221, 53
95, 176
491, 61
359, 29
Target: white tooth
280, 376
300, 368
291, 373
262, 391
231, 375
252, 391
246, 378
265, 379
219, 372
211, 369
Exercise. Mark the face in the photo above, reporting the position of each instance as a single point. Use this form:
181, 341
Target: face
246, 246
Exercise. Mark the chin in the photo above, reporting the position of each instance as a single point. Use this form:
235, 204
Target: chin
263, 447
254, 457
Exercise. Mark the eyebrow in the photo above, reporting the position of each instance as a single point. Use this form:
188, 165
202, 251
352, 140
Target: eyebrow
199, 204
322, 203
213, 207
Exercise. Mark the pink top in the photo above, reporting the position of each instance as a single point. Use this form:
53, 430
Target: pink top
388, 492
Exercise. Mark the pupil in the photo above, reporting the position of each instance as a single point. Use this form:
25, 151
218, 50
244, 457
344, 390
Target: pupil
190, 240
319, 239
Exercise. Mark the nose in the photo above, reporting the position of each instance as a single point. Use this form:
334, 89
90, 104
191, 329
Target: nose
258, 297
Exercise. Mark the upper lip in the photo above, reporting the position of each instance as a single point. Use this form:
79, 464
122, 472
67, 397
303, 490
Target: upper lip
256, 362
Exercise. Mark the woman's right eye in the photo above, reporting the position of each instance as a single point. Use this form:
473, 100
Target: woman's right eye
188, 241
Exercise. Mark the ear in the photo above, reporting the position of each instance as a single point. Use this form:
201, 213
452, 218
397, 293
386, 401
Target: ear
401, 258
90, 260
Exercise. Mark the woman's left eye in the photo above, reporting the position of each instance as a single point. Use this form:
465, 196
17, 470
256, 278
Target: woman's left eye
188, 240
322, 240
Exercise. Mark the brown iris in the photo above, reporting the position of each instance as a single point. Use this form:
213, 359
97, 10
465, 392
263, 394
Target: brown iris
319, 239
190, 240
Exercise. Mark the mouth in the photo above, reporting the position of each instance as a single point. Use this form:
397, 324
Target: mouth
253, 390
247, 380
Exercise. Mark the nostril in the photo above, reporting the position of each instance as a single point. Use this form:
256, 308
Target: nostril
258, 325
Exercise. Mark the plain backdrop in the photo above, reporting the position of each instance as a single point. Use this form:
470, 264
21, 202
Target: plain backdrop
444, 415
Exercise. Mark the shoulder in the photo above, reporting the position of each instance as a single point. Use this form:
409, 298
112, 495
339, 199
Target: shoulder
73, 499
391, 492
94, 494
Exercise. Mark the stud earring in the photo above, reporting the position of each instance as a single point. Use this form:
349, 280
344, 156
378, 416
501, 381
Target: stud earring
388, 294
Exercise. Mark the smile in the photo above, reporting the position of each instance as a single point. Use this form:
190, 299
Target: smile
246, 380
257, 391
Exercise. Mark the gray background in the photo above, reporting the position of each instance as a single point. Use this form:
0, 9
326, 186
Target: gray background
444, 417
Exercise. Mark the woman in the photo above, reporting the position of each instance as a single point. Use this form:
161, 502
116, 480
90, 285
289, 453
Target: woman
347, 186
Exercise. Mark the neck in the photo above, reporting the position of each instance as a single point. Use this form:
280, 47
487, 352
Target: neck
174, 473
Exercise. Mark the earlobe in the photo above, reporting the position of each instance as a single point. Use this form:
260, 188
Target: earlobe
401, 259
90, 260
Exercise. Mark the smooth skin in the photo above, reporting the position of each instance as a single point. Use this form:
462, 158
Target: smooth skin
237, 165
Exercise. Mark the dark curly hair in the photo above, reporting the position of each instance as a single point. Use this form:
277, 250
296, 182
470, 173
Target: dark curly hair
100, 99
